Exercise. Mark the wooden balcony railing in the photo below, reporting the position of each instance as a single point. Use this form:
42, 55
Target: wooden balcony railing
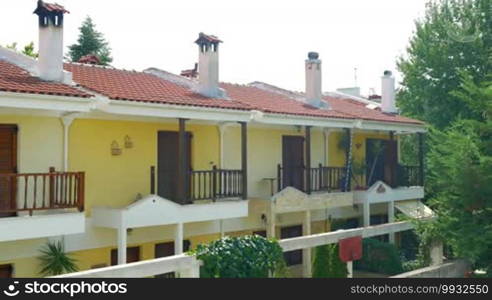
322, 178
208, 184
215, 184
41, 191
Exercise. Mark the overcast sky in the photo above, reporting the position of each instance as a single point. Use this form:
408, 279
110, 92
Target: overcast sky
264, 40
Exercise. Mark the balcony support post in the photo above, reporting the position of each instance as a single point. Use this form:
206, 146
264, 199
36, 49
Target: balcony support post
244, 159
391, 219
181, 186
306, 253
421, 158
121, 245
308, 159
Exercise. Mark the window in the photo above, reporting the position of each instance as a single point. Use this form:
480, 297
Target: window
6, 271
292, 257
132, 255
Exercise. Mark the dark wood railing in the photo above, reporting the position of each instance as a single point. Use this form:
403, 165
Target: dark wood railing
209, 184
321, 178
215, 184
41, 191
409, 176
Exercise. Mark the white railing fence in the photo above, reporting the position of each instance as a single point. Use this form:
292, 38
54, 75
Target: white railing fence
189, 266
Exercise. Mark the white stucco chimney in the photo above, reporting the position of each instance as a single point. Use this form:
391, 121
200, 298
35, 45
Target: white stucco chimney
388, 104
208, 66
314, 92
50, 60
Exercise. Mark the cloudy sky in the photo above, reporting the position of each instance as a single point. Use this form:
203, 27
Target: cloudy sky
264, 40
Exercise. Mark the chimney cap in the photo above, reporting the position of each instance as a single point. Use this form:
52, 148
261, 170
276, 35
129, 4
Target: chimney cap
388, 73
313, 55
90, 59
49, 8
207, 39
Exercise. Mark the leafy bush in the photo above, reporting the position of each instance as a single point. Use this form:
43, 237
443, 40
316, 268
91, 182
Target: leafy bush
54, 260
241, 257
379, 257
327, 263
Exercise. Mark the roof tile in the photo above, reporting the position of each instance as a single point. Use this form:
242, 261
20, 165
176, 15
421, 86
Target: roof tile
17, 80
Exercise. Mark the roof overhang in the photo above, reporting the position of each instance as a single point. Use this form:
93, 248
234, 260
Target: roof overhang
162, 110
45, 102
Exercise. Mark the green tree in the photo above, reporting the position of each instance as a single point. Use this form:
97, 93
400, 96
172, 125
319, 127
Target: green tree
460, 166
28, 49
454, 36
90, 42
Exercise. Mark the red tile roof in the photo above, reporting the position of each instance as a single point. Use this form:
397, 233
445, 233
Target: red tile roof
17, 80
138, 86
144, 87
50, 7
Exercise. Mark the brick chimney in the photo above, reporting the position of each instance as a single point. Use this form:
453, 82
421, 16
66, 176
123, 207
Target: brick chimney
50, 60
314, 91
208, 66
388, 104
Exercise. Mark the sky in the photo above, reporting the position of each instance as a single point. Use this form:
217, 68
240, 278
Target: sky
263, 40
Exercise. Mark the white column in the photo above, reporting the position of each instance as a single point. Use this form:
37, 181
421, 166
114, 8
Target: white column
178, 239
306, 253
391, 219
221, 228
271, 221
366, 207
350, 269
121, 245
193, 271
66, 121
436, 253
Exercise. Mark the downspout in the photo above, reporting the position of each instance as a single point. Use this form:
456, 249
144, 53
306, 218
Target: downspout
66, 122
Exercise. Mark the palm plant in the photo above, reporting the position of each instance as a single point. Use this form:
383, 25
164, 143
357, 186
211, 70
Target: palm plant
55, 261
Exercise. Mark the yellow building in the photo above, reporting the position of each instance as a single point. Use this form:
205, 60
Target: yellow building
124, 166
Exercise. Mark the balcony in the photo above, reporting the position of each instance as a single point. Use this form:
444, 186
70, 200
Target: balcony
301, 189
208, 185
34, 205
320, 179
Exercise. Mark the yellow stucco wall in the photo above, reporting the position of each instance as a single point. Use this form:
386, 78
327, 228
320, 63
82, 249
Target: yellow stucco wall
116, 180
39, 142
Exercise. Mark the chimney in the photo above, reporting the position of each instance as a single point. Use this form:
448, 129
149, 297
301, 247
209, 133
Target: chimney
50, 61
313, 81
388, 104
208, 66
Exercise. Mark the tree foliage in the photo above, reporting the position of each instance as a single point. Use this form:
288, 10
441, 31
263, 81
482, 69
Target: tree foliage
90, 42
241, 257
379, 257
453, 37
460, 166
27, 50
327, 263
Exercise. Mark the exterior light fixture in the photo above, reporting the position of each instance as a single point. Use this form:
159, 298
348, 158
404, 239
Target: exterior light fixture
128, 142
115, 148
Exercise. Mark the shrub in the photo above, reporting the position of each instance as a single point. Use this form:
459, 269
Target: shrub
379, 257
327, 263
241, 257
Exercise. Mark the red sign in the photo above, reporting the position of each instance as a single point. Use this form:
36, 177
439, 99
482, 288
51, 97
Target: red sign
350, 249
